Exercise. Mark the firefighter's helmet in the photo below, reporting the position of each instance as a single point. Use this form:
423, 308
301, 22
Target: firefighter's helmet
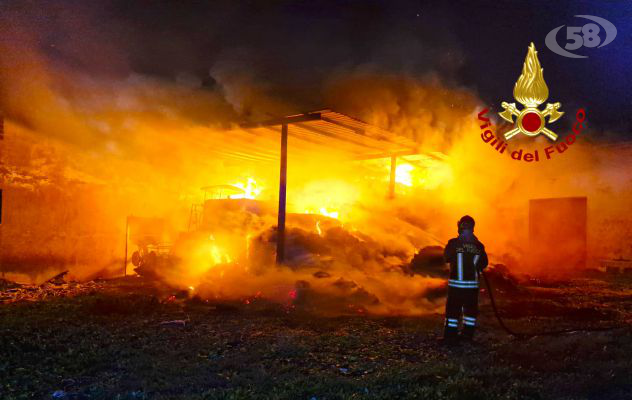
466, 222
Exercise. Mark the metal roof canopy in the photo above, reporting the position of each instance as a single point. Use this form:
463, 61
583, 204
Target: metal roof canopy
333, 131
327, 129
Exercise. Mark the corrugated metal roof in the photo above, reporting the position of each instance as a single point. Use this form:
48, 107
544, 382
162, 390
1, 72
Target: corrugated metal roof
318, 131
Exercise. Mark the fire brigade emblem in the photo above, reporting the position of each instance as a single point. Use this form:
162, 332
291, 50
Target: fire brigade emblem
531, 91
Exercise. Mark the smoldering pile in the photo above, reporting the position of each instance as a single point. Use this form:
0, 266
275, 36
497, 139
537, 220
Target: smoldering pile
330, 270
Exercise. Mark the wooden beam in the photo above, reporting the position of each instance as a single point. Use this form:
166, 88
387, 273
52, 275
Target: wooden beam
280, 253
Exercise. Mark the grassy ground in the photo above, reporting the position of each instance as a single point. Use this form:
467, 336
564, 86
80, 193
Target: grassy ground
110, 345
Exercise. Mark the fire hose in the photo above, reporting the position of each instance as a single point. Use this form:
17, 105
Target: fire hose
520, 335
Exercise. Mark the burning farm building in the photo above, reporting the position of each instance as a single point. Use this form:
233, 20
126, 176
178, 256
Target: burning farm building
229, 191
320, 200
231, 199
229, 230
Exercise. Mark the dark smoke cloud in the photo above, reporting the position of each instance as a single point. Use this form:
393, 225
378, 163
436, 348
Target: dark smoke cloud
276, 57
264, 58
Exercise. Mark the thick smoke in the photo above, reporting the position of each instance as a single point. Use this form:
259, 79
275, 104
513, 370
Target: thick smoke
108, 117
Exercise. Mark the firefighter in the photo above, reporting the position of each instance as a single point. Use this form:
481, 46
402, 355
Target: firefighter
467, 259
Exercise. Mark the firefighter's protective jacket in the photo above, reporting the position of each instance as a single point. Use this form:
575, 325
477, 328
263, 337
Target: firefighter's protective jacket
467, 257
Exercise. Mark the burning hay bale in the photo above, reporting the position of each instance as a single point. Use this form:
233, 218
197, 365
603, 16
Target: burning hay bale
304, 248
428, 262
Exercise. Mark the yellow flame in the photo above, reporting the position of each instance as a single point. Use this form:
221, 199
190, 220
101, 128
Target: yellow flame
403, 174
218, 256
332, 198
437, 173
324, 212
330, 214
251, 190
531, 89
320, 232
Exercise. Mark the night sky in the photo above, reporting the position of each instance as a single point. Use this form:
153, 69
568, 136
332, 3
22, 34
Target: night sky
295, 46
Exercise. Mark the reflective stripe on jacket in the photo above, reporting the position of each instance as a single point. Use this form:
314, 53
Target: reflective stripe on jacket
467, 257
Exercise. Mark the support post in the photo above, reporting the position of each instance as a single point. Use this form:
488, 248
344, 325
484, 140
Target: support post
126, 240
280, 253
391, 185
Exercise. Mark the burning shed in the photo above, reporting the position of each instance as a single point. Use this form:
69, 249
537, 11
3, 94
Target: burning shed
328, 131
324, 157
241, 225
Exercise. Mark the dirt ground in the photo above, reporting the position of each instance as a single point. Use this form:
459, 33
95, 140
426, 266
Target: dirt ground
125, 339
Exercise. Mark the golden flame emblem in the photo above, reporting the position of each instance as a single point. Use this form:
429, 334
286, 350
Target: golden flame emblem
531, 91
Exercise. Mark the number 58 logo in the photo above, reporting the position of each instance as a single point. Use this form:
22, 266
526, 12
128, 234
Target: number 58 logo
578, 36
